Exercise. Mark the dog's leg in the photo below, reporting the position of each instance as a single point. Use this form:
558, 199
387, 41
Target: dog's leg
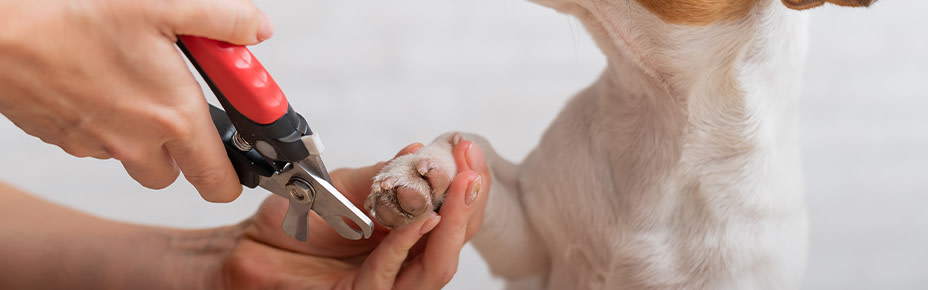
413, 184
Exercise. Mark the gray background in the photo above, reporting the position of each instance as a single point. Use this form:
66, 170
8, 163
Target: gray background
374, 76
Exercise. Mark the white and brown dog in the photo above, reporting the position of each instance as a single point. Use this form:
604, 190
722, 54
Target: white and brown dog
677, 169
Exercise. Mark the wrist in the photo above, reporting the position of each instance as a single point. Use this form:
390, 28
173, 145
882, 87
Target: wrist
193, 259
142, 257
164, 258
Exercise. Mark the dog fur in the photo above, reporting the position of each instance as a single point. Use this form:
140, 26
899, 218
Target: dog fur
677, 169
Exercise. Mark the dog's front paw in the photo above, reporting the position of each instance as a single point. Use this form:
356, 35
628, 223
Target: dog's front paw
413, 184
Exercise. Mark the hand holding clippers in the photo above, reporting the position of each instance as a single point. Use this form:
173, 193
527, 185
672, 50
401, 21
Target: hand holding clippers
269, 144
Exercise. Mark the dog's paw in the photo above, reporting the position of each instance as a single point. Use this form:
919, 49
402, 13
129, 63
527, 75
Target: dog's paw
412, 184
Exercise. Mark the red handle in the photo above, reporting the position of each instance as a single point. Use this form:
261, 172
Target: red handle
240, 77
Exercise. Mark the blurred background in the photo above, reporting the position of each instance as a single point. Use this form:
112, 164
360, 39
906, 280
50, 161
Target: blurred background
373, 76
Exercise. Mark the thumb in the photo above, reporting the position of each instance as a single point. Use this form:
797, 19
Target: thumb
233, 21
385, 262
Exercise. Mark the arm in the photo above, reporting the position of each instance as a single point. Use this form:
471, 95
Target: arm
46, 246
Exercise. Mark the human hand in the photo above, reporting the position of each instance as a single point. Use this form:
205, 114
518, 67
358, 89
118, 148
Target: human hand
265, 257
102, 78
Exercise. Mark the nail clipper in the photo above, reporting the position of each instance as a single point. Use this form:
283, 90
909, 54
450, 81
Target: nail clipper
270, 145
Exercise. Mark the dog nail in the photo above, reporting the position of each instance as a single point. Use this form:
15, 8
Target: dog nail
472, 190
423, 166
430, 224
369, 203
456, 139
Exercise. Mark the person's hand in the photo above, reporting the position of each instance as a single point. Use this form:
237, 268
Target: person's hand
265, 257
102, 78
255, 254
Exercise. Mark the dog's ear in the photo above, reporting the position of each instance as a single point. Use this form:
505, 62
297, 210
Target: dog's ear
806, 4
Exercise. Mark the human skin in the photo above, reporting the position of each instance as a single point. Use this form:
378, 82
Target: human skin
46, 246
103, 79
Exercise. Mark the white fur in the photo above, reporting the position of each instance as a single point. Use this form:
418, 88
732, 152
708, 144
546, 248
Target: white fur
677, 169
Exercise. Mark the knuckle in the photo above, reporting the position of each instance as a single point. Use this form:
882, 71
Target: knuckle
78, 149
210, 184
205, 178
101, 155
128, 154
167, 14
49, 138
172, 123
385, 275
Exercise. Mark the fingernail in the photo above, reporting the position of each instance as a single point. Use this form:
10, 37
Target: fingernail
430, 224
472, 190
474, 157
266, 28
456, 139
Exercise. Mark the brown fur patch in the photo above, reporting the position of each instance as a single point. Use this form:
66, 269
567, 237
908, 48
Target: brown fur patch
806, 4
699, 12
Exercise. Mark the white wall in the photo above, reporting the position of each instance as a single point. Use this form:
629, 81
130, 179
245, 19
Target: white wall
373, 76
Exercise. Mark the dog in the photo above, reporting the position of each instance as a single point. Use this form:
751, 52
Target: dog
677, 169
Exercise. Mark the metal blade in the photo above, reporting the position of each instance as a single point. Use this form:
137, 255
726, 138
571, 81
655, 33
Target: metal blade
295, 223
331, 205
316, 167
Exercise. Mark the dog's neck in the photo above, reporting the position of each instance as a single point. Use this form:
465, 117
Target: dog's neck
699, 65
721, 95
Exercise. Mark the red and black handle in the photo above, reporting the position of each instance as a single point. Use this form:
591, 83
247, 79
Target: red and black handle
253, 104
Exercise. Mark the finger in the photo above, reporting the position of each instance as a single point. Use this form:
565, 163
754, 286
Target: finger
469, 156
153, 169
381, 267
234, 21
440, 258
409, 149
202, 158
